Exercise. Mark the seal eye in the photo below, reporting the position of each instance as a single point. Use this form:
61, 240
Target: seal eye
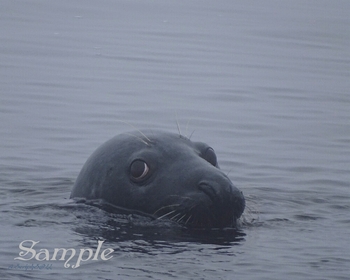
210, 156
138, 169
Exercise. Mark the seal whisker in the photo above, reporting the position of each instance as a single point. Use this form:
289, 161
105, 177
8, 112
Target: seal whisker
144, 135
181, 196
178, 126
175, 216
164, 207
183, 216
167, 214
191, 134
188, 219
188, 122
193, 206
143, 141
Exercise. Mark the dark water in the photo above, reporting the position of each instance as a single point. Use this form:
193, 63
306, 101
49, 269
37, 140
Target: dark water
266, 83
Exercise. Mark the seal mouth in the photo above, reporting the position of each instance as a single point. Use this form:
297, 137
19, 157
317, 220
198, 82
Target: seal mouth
212, 207
200, 216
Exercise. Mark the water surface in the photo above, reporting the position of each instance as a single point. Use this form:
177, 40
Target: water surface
266, 84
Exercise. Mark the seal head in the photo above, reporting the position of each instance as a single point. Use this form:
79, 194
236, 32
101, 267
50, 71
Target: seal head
162, 174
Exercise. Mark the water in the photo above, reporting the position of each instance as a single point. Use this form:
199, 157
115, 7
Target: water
266, 83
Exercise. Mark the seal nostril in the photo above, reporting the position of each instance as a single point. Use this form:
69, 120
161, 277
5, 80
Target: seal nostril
208, 190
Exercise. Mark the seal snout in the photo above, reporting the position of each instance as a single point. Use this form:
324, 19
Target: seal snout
226, 203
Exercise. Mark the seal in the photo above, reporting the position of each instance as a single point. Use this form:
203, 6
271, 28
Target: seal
162, 174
